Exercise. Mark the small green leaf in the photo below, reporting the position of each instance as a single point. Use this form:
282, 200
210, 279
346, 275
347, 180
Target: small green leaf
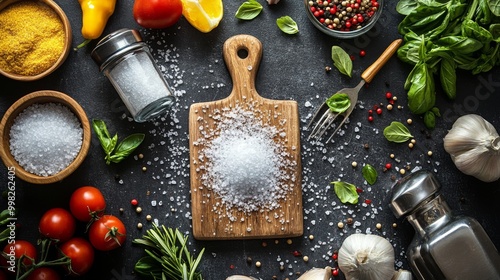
342, 61
436, 112
338, 103
370, 174
397, 132
107, 143
346, 192
287, 25
430, 119
126, 147
248, 10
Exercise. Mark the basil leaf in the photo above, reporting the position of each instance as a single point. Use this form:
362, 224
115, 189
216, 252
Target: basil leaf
421, 94
370, 174
448, 77
129, 144
436, 112
338, 103
112, 143
429, 119
249, 10
397, 132
342, 61
287, 25
494, 6
405, 7
346, 192
495, 31
107, 143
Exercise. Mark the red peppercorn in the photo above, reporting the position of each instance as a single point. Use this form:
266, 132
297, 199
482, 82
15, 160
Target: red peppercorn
352, 57
368, 201
358, 190
296, 253
348, 24
362, 53
335, 272
370, 112
231, 266
335, 256
370, 118
379, 111
388, 166
388, 95
134, 202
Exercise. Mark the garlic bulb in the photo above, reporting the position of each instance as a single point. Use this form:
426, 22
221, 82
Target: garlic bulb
317, 274
474, 146
402, 275
240, 277
366, 257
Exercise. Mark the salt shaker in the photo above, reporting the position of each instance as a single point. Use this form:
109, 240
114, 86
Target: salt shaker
445, 246
127, 62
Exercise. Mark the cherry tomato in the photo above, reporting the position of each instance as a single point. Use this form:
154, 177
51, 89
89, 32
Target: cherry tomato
87, 203
107, 233
58, 224
81, 253
44, 273
15, 250
157, 13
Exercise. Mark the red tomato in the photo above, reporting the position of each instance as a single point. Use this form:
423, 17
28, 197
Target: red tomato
107, 233
87, 203
58, 224
157, 13
15, 250
44, 273
80, 252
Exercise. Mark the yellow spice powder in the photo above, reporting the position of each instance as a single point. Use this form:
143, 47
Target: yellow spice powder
31, 38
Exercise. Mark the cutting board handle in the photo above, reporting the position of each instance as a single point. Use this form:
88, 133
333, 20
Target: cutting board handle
242, 54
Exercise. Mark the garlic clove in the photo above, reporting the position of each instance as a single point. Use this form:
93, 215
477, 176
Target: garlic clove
366, 257
240, 277
402, 275
317, 274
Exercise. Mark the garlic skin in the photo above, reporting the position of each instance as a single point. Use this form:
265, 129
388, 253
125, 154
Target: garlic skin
272, 2
474, 146
240, 277
402, 275
366, 257
317, 274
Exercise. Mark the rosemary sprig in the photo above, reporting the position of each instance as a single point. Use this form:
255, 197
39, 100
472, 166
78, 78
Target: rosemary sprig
167, 255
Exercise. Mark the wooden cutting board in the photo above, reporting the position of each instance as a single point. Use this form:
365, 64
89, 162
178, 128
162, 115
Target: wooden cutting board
210, 219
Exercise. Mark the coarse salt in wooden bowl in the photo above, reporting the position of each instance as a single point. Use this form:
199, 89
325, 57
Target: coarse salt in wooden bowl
42, 97
66, 45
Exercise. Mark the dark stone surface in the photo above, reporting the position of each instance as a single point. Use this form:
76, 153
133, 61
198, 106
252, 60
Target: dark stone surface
292, 67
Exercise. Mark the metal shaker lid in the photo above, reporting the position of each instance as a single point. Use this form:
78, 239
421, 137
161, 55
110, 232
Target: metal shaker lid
411, 190
114, 45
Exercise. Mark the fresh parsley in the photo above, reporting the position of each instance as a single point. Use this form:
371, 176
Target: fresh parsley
287, 25
342, 61
397, 132
113, 152
346, 192
248, 10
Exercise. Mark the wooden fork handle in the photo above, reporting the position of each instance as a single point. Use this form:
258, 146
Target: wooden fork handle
371, 71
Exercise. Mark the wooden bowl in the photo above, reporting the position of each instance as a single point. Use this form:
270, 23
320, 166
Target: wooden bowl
67, 42
43, 96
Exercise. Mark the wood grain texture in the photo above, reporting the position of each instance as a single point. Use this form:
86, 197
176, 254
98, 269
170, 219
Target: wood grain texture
242, 54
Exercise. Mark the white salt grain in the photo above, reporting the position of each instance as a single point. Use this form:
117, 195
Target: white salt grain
45, 138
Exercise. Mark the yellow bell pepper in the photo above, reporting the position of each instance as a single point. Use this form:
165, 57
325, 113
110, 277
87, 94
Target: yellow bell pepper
95, 15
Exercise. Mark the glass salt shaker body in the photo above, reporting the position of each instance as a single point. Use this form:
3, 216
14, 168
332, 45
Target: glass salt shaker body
445, 246
127, 62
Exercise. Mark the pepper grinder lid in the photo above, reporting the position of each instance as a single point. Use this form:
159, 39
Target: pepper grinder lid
114, 45
412, 190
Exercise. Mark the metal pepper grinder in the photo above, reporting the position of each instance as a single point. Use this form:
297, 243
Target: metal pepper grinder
445, 246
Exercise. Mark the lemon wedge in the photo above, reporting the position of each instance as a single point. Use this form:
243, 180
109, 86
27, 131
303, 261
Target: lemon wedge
203, 15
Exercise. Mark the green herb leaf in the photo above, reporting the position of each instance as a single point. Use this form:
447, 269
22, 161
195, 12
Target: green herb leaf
405, 7
370, 174
430, 119
436, 112
494, 6
126, 147
421, 94
287, 25
346, 192
342, 61
248, 10
397, 132
448, 77
102, 133
338, 102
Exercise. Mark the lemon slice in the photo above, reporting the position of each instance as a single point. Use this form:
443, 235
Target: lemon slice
203, 15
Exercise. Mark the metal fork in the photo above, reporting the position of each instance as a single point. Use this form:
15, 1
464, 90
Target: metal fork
324, 117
